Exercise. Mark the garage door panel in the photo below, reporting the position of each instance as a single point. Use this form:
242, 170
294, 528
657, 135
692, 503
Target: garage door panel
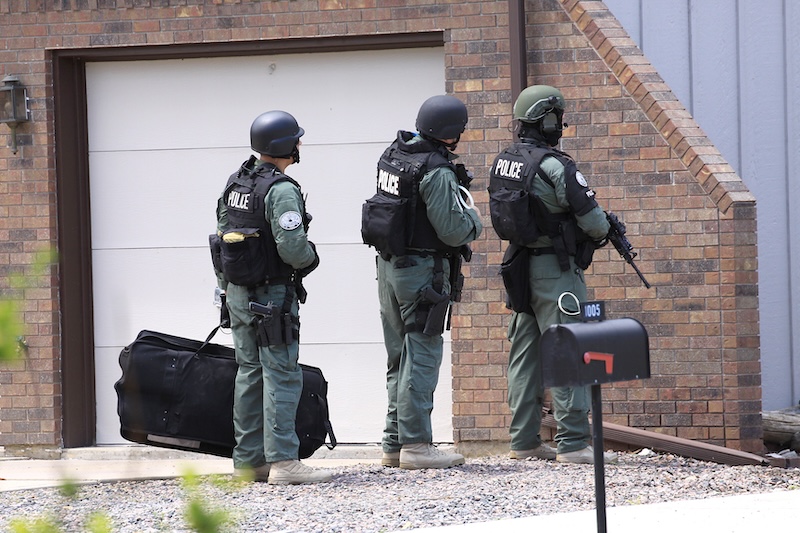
183, 103
342, 303
167, 198
169, 290
356, 96
356, 375
336, 182
106, 361
339, 97
157, 199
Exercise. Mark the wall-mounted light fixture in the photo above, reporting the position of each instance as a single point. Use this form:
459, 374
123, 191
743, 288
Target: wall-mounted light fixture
13, 106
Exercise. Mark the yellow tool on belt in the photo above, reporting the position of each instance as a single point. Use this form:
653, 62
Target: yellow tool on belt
236, 236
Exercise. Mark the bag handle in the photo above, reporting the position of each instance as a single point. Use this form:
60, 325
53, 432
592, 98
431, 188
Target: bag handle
208, 339
328, 426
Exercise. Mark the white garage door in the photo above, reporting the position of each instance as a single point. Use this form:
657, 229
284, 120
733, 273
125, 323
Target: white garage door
164, 136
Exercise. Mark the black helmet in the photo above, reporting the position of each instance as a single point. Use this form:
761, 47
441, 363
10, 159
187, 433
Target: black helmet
275, 133
442, 117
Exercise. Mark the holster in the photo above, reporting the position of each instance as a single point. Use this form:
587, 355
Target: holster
269, 327
564, 243
516, 279
584, 254
431, 312
276, 325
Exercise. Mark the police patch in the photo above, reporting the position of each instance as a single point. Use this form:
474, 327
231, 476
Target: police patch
290, 220
580, 179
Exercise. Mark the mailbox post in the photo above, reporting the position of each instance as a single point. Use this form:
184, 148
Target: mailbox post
594, 352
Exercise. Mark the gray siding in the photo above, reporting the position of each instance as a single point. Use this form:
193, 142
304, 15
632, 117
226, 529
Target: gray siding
734, 65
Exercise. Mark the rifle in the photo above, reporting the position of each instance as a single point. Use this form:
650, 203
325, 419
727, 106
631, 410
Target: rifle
617, 237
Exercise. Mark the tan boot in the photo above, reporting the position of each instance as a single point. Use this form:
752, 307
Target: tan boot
391, 459
543, 451
585, 457
424, 455
293, 472
259, 473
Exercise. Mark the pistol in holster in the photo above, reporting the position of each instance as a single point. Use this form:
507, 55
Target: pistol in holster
274, 326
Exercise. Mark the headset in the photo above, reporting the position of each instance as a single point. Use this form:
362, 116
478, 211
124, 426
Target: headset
551, 123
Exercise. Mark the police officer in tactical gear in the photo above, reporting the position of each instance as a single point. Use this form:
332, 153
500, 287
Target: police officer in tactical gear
542, 205
263, 254
419, 223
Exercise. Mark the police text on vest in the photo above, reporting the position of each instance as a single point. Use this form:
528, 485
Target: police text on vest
237, 200
388, 182
508, 169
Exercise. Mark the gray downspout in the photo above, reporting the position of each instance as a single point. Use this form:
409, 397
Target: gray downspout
517, 47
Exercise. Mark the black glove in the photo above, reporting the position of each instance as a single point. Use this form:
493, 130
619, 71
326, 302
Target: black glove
305, 271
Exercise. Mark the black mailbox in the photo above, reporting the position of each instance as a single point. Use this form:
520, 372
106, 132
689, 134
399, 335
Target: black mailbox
590, 353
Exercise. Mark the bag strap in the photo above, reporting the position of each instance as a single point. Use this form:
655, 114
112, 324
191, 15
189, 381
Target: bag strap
529, 159
208, 339
328, 427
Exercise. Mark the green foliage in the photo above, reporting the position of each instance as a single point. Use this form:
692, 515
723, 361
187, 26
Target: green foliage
10, 330
203, 519
37, 525
98, 523
11, 322
68, 489
199, 515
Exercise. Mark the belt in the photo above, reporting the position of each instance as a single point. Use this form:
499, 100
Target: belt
542, 251
418, 253
270, 281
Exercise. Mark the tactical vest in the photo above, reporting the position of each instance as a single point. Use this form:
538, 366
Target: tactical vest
519, 216
395, 220
254, 260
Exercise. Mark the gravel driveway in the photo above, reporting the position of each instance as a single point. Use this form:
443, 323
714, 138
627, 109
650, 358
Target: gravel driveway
371, 498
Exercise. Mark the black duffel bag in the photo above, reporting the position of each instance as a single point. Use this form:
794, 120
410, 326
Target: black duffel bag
178, 393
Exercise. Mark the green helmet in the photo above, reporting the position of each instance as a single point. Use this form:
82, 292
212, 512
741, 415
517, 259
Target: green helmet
534, 102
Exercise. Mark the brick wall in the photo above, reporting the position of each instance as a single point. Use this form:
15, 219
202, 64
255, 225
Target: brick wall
687, 212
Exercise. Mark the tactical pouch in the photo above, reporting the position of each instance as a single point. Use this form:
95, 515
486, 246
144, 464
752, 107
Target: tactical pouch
516, 278
383, 223
584, 253
430, 314
243, 260
569, 234
512, 216
215, 244
456, 286
224, 312
269, 330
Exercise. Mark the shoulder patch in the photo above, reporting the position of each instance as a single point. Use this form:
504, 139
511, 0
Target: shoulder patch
290, 220
581, 180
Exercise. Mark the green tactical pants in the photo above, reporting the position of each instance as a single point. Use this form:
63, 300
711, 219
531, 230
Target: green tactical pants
267, 387
525, 388
414, 358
